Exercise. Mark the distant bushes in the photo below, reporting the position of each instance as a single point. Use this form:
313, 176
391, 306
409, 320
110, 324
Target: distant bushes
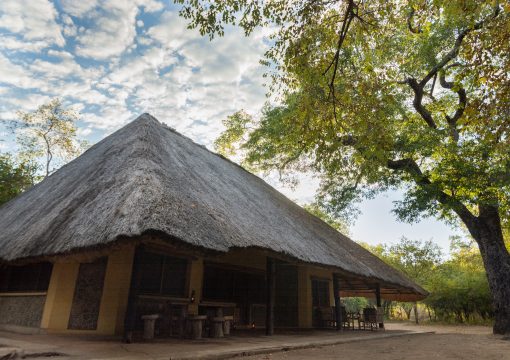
458, 287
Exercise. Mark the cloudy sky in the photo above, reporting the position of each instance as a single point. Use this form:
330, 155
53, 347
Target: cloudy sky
115, 59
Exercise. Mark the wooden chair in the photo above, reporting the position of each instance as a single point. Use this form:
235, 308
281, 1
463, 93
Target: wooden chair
346, 319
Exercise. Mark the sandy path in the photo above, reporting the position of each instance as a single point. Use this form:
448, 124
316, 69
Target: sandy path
449, 343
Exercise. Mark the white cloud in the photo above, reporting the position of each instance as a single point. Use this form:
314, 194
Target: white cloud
78, 8
69, 28
172, 32
33, 20
10, 42
114, 26
177, 75
16, 75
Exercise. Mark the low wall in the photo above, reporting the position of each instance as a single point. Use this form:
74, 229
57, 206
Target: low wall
22, 310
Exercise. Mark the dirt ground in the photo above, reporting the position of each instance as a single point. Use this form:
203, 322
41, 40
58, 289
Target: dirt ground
448, 343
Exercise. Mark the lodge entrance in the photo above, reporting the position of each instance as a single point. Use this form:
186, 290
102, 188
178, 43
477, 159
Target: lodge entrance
321, 306
240, 292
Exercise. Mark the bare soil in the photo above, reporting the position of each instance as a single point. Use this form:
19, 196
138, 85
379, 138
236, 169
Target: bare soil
448, 343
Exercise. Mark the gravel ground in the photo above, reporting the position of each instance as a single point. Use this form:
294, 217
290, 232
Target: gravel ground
448, 343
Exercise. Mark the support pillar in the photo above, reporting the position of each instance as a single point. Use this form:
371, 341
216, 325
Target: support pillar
136, 278
338, 304
195, 285
378, 301
59, 298
270, 292
305, 297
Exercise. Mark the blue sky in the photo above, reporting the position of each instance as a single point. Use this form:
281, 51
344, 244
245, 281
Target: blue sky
114, 59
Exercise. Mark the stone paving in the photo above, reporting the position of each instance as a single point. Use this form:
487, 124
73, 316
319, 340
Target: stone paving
60, 347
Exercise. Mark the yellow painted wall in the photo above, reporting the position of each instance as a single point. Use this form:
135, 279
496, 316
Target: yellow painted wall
117, 282
304, 297
115, 292
113, 301
195, 283
60, 296
305, 275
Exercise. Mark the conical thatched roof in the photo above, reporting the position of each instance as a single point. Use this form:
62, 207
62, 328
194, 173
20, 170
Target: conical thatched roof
147, 177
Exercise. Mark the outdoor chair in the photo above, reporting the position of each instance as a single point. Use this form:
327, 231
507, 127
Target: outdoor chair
368, 319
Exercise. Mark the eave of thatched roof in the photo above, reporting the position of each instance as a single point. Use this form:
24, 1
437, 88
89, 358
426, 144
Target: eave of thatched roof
147, 177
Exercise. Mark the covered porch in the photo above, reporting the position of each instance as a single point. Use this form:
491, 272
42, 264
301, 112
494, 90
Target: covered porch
153, 288
247, 290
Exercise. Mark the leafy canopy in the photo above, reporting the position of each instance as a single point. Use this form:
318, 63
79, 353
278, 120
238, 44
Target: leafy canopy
14, 177
48, 133
415, 258
376, 95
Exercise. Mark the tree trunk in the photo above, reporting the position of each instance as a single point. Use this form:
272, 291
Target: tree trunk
487, 232
416, 312
430, 315
408, 313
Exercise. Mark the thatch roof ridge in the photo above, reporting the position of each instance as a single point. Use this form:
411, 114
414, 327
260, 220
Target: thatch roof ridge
148, 177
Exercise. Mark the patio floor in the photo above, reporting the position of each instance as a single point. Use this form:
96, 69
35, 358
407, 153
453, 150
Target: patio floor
240, 344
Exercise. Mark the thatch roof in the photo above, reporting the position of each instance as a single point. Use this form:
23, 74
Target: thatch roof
147, 177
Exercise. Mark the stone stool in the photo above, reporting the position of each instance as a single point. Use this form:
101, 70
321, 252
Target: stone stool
217, 326
227, 324
149, 323
196, 324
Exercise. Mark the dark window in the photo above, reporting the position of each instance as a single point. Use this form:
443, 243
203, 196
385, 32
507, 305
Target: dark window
163, 275
34, 277
320, 293
233, 285
218, 284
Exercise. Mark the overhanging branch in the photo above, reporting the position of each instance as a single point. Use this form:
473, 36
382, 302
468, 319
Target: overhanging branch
419, 86
410, 167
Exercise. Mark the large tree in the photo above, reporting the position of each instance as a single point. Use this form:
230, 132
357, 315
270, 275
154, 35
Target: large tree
379, 94
48, 133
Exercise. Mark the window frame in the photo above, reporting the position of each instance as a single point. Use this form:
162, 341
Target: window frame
325, 281
163, 257
43, 270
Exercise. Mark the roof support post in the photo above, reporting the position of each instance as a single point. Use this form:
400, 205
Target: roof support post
338, 304
136, 278
270, 292
378, 301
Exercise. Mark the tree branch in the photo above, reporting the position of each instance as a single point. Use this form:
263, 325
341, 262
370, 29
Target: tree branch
452, 54
414, 30
461, 93
418, 87
417, 102
410, 167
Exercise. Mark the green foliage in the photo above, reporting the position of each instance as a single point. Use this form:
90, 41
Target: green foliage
415, 258
355, 304
236, 127
416, 97
458, 288
48, 133
334, 222
458, 285
376, 95
14, 177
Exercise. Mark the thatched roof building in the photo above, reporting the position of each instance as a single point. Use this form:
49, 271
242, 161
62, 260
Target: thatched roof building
147, 178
